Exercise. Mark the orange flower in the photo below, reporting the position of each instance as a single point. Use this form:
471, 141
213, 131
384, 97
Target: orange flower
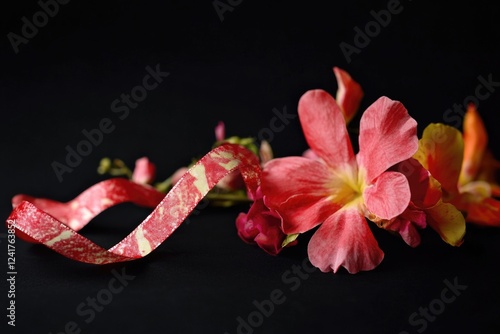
464, 167
477, 181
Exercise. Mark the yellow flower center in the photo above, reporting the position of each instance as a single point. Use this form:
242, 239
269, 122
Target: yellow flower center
346, 189
347, 185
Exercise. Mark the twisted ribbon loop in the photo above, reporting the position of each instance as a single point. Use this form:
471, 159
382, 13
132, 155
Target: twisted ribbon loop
56, 225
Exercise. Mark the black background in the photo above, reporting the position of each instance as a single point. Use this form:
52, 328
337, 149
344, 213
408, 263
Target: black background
263, 55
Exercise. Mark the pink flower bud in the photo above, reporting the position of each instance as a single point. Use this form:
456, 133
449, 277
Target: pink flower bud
144, 171
261, 226
220, 131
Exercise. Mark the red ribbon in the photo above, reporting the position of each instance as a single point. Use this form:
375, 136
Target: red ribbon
56, 224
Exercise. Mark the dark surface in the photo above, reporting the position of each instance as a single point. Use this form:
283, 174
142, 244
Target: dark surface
262, 56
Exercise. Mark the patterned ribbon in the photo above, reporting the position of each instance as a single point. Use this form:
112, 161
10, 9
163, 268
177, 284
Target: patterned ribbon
56, 225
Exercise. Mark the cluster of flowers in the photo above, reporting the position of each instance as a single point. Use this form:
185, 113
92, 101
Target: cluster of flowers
397, 181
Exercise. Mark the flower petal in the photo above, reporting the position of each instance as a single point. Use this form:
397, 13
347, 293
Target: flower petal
489, 170
295, 187
261, 226
389, 196
344, 239
409, 233
495, 190
440, 151
144, 171
349, 94
425, 190
220, 131
448, 222
407, 223
387, 135
476, 190
324, 127
485, 212
310, 154
475, 143
265, 152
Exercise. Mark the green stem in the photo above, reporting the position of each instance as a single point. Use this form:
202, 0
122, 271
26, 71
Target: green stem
228, 197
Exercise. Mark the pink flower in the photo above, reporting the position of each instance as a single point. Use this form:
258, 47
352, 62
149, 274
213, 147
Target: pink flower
348, 97
261, 226
340, 189
144, 171
220, 131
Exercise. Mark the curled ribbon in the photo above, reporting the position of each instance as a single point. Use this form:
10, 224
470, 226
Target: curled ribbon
56, 225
